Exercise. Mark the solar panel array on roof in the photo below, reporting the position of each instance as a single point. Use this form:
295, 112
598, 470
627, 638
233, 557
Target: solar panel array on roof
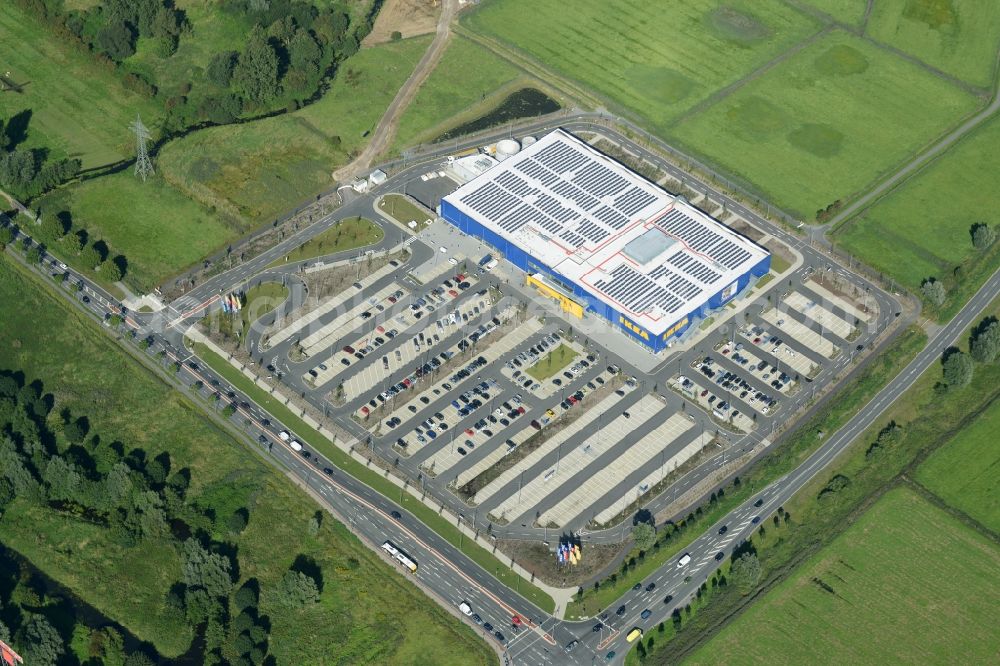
693, 267
658, 258
702, 239
637, 292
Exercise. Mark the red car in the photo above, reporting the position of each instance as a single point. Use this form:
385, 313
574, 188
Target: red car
520, 410
453, 293
391, 299
460, 277
365, 411
470, 432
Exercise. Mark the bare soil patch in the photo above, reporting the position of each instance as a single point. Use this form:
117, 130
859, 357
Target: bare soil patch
408, 17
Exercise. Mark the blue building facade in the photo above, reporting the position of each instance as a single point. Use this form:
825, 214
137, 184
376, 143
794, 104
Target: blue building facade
592, 303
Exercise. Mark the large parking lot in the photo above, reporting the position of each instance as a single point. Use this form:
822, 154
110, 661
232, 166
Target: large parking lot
441, 368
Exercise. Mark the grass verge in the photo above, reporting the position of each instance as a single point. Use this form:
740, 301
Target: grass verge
402, 209
375, 479
552, 362
347, 234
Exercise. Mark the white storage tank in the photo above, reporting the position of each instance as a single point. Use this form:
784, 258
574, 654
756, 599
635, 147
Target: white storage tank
527, 141
507, 148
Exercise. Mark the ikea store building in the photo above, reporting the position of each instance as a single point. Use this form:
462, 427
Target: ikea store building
599, 238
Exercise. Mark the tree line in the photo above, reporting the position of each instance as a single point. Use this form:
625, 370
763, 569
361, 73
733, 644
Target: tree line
982, 236
291, 46
26, 173
56, 461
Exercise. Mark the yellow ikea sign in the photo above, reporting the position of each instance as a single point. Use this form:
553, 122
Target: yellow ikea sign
676, 327
633, 327
567, 304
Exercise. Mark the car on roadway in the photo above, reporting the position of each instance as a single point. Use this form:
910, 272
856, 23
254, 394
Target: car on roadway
667, 599
500, 637
636, 587
597, 627
651, 587
719, 555
756, 519
758, 503
571, 645
723, 529
620, 611
488, 627
609, 656
477, 619
645, 614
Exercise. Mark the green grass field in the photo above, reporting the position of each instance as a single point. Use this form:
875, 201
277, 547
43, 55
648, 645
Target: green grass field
90, 375
260, 300
965, 470
78, 109
402, 209
824, 124
916, 231
467, 79
347, 234
157, 228
657, 61
924, 583
258, 171
959, 37
553, 362
850, 12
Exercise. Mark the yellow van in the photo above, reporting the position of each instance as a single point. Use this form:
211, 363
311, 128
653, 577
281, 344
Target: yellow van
634, 634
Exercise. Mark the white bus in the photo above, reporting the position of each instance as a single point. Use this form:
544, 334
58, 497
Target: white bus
398, 555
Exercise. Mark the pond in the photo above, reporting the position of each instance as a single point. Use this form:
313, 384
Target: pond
523, 103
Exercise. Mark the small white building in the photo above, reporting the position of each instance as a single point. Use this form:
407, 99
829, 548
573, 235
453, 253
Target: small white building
377, 177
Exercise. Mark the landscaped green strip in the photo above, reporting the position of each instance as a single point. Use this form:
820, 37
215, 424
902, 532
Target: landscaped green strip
347, 234
779, 264
261, 300
402, 209
374, 480
786, 458
553, 362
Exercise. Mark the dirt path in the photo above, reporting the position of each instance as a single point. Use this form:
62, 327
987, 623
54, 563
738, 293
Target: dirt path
385, 132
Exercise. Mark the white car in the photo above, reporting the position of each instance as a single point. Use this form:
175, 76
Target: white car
453, 261
443, 250
295, 445
284, 435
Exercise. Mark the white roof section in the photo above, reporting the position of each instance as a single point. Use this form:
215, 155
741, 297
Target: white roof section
650, 255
